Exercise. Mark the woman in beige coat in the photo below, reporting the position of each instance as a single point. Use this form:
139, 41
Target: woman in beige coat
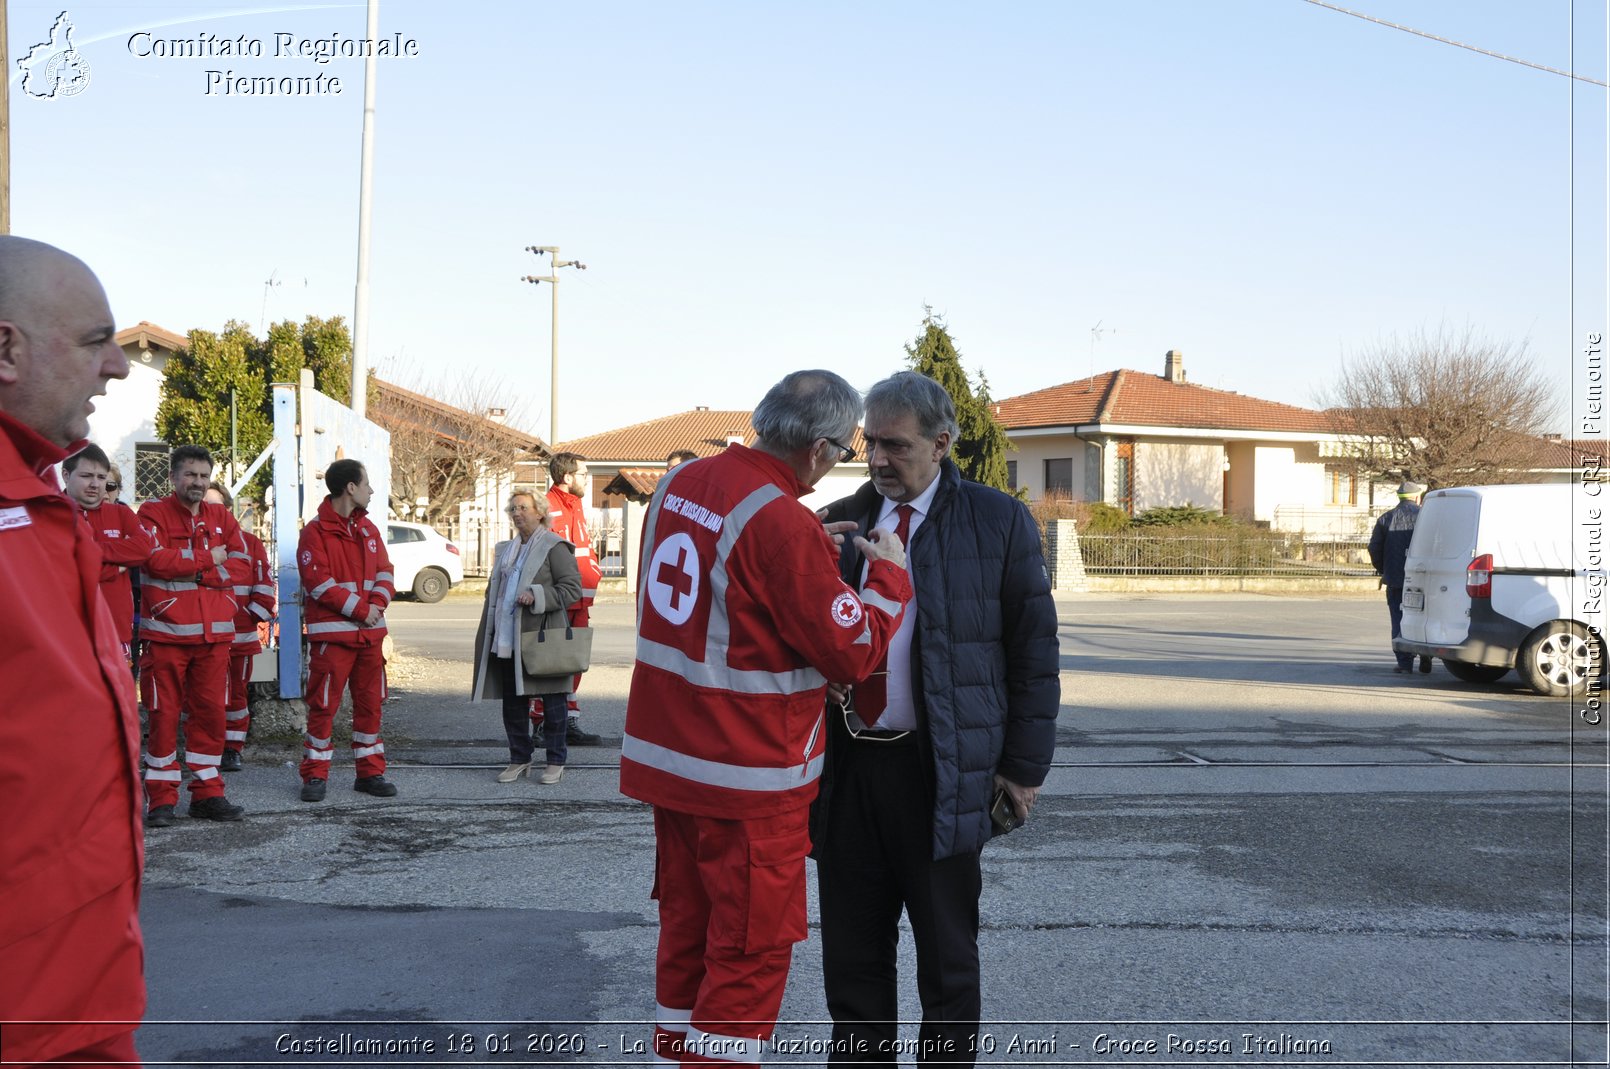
534, 578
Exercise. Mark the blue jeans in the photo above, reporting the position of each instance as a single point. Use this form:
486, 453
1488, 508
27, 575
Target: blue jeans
517, 720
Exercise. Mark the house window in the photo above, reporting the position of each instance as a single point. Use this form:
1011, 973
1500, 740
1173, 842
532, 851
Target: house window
1343, 487
150, 471
1124, 475
1059, 477
1011, 474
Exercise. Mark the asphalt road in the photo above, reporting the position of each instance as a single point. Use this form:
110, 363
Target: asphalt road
1257, 840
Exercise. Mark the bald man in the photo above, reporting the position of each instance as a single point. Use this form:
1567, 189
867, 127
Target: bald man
72, 987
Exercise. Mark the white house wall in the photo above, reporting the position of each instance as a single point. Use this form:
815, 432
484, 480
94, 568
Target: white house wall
1032, 452
1285, 475
1178, 473
127, 415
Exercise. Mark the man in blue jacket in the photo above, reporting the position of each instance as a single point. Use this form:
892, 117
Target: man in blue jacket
966, 708
1389, 549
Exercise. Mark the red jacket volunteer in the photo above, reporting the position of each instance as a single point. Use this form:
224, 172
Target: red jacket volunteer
71, 855
124, 545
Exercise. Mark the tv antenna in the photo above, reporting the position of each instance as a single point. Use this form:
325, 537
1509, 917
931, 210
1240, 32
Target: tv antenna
268, 284
1095, 335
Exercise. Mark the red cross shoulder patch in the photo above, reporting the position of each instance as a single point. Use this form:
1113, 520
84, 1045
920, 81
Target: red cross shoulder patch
846, 610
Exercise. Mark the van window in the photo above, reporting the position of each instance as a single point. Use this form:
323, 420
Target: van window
1446, 529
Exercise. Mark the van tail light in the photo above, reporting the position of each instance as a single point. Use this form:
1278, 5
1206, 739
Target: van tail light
454, 550
1479, 577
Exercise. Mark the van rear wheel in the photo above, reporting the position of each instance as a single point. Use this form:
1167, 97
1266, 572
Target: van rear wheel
1559, 658
1475, 673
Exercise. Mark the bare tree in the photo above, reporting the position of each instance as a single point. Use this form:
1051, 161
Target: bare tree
445, 438
1444, 407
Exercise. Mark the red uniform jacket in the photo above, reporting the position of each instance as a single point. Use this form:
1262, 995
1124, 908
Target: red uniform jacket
124, 545
186, 598
568, 519
344, 570
256, 601
71, 853
741, 613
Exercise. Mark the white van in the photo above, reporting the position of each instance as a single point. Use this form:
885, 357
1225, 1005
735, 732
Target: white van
1502, 577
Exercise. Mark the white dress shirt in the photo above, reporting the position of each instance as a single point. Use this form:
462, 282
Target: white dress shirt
901, 712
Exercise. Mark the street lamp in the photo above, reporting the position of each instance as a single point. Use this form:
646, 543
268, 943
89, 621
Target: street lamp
553, 278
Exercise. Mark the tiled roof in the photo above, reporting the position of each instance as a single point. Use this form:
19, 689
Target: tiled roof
419, 410
635, 482
703, 431
145, 334
1136, 398
1558, 454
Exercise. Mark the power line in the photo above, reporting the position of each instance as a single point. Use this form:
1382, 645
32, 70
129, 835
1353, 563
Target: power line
1457, 44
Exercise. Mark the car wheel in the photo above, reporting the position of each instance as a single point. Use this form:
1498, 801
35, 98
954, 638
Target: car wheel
430, 585
1475, 673
1559, 658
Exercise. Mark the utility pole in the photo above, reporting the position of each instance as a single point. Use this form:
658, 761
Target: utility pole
360, 310
553, 278
5, 124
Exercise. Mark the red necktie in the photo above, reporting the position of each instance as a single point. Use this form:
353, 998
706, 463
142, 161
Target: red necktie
872, 695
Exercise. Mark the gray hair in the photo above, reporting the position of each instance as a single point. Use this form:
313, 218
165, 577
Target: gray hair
908, 391
806, 406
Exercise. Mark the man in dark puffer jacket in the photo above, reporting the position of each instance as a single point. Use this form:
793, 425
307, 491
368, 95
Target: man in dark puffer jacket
968, 707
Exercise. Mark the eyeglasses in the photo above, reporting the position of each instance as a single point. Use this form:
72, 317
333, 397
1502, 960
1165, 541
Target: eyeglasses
846, 454
113, 487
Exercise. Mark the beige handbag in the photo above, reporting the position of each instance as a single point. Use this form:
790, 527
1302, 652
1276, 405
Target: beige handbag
556, 651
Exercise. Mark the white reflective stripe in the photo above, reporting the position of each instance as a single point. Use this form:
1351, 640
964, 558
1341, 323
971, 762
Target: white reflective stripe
317, 744
334, 625
205, 773
243, 591
167, 584
234, 736
718, 774
246, 636
226, 627
319, 755
262, 588
348, 586
589, 592
385, 577
240, 556
160, 761
187, 554
723, 1048
260, 612
672, 1020
237, 714
368, 751
223, 573
583, 551
173, 775
720, 677
365, 737
872, 599
368, 584
321, 588
192, 758
352, 603
163, 628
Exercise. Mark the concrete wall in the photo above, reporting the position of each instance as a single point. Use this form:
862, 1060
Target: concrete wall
1178, 473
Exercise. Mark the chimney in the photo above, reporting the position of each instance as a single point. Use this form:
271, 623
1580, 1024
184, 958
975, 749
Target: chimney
1174, 366
497, 415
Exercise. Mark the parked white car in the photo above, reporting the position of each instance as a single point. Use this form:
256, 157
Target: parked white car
1502, 577
422, 561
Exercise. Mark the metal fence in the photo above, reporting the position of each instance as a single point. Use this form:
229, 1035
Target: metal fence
1229, 553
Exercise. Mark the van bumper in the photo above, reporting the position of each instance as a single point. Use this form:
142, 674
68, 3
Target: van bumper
1492, 640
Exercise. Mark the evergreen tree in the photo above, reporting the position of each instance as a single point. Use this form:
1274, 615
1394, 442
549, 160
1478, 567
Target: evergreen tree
197, 381
981, 443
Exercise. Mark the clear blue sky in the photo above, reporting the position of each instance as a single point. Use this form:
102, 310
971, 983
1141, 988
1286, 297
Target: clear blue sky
1264, 184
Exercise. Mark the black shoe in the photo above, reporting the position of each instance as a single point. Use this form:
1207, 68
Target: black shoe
231, 761
215, 808
313, 790
1425, 664
575, 736
1400, 668
159, 817
378, 786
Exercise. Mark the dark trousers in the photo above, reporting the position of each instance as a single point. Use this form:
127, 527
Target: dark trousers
877, 857
1394, 609
517, 719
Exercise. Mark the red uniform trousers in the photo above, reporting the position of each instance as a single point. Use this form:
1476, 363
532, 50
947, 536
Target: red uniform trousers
237, 704
732, 906
329, 670
192, 679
